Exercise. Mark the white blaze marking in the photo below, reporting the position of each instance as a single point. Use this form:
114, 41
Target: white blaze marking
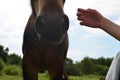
38, 6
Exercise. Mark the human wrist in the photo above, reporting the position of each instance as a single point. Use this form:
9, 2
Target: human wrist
104, 23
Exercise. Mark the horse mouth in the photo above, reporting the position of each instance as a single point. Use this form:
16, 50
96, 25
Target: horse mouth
50, 41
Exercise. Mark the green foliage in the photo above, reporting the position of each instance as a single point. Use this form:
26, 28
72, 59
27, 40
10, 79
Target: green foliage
14, 59
101, 70
8, 77
12, 70
85, 77
3, 53
68, 61
87, 66
70, 68
102, 61
10, 59
98, 66
2, 65
44, 77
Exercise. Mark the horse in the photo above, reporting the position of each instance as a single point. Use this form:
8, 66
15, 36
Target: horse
45, 40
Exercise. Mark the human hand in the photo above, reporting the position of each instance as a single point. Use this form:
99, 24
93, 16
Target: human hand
89, 17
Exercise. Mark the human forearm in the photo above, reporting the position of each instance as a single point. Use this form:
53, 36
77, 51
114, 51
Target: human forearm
111, 28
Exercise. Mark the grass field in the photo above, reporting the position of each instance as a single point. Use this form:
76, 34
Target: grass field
45, 77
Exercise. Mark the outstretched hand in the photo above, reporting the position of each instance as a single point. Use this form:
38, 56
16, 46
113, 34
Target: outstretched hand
89, 17
92, 18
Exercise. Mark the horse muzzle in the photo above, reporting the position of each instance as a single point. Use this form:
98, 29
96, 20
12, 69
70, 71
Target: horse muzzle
51, 30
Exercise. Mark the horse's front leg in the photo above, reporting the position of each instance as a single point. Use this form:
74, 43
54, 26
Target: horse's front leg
30, 71
56, 71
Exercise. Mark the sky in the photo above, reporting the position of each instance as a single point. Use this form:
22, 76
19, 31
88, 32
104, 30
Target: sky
83, 41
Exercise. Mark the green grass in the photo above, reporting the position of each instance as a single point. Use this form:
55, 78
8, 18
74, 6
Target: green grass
45, 77
6, 77
85, 77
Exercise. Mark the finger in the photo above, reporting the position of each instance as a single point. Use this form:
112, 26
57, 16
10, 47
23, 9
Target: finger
80, 18
80, 9
79, 14
84, 24
91, 10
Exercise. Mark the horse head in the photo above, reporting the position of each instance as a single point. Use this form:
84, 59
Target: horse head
45, 41
51, 24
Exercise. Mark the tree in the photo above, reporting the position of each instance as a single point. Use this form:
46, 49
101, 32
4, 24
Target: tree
71, 68
68, 61
87, 66
2, 65
4, 53
102, 61
14, 59
101, 70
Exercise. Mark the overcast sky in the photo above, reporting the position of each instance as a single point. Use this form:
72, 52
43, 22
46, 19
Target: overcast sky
83, 41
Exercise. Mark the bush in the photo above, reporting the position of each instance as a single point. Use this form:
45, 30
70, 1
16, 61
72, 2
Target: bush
12, 70
14, 59
87, 66
2, 65
101, 70
72, 70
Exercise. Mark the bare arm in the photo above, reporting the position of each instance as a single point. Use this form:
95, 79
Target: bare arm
93, 18
111, 28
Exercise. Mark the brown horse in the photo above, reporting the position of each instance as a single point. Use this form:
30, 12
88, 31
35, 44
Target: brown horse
45, 41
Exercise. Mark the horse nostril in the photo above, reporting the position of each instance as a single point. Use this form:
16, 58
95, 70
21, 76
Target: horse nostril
38, 21
39, 25
65, 23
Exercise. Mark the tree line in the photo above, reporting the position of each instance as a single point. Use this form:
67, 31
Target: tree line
9, 59
87, 66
